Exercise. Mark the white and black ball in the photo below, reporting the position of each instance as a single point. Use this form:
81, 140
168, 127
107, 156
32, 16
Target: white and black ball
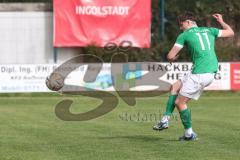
55, 81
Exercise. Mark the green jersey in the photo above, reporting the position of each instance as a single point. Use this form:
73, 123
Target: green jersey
201, 46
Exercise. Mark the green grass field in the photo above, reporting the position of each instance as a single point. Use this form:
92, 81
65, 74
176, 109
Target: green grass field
29, 130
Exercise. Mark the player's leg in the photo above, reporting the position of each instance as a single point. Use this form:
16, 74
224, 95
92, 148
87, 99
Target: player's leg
192, 87
172, 98
185, 115
163, 123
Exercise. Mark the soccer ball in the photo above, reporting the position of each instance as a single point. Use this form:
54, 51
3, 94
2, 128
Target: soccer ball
55, 81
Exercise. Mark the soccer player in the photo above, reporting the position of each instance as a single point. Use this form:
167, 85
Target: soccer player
200, 42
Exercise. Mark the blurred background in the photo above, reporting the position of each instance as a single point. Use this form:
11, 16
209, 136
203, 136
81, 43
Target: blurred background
26, 30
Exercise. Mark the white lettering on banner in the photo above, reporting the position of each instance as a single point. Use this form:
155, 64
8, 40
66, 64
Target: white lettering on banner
236, 71
102, 11
236, 76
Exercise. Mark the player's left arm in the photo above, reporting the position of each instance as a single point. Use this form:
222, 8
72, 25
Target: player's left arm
227, 31
173, 53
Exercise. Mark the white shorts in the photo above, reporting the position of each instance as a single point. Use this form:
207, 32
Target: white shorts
193, 84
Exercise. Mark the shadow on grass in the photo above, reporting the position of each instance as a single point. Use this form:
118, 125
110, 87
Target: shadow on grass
135, 137
143, 138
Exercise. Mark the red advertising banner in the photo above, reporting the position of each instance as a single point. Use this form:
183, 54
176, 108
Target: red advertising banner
98, 22
235, 76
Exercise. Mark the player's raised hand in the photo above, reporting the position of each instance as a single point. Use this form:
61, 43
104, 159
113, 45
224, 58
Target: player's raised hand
218, 17
227, 31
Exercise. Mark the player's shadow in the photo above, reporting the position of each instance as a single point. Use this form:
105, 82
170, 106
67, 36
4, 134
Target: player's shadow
141, 138
135, 137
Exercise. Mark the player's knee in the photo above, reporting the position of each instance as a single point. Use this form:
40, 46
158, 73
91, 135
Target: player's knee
174, 89
177, 102
171, 88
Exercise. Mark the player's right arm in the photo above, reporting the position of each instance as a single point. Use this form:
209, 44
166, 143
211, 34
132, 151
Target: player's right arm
173, 53
227, 31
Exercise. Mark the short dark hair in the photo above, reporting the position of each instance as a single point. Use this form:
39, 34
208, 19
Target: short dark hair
186, 16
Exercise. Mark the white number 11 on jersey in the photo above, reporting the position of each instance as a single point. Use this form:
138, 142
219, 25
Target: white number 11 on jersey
200, 38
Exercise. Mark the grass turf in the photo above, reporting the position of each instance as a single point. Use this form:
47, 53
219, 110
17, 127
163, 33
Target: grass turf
29, 130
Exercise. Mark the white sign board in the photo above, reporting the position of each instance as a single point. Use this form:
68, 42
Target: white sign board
31, 77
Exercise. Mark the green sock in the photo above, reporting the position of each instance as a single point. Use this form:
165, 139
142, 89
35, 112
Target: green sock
186, 118
170, 105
